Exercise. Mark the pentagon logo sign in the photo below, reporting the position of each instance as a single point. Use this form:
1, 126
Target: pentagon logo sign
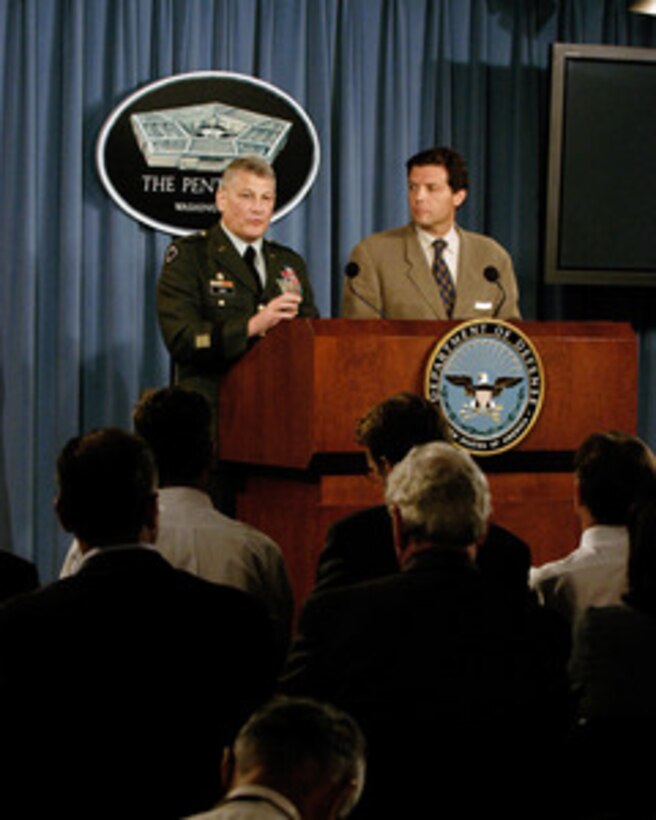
161, 152
488, 378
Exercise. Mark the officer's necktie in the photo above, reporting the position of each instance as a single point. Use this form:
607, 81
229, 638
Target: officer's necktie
249, 258
443, 277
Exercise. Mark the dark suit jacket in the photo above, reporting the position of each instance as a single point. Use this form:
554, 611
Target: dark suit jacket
437, 667
205, 296
613, 671
125, 681
16, 575
395, 277
360, 547
614, 664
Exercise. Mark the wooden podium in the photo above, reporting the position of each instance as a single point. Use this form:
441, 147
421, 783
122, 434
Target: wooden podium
288, 408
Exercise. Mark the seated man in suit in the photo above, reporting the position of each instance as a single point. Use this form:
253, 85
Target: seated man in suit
192, 534
295, 758
433, 661
361, 546
431, 268
126, 679
612, 472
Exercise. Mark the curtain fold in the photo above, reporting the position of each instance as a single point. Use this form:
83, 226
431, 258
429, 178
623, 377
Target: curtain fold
381, 79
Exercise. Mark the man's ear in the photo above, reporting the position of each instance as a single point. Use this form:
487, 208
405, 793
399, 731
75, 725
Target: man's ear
484, 536
219, 198
149, 530
343, 801
347, 795
459, 197
384, 468
62, 514
398, 530
378, 467
227, 769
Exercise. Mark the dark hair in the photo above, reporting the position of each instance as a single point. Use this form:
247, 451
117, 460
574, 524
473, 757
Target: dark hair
455, 165
614, 470
176, 423
106, 482
389, 430
642, 556
299, 741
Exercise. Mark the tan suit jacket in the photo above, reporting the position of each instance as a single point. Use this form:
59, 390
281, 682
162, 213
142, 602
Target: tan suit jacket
396, 278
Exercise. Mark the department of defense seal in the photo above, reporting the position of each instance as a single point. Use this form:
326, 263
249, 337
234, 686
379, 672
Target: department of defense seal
488, 378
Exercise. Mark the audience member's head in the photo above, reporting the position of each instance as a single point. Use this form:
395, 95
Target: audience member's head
176, 424
439, 497
642, 556
311, 752
613, 470
389, 430
106, 489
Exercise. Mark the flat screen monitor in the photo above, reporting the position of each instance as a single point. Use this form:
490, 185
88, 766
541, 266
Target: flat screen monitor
601, 191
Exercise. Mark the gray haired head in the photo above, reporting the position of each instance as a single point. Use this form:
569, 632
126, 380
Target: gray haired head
441, 495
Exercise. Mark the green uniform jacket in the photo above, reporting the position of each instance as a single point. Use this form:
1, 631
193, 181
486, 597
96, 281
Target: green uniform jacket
205, 296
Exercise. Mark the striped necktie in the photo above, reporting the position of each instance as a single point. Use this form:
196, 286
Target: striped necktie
443, 277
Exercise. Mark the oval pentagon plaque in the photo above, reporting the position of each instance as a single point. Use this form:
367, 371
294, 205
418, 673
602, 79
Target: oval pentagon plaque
161, 152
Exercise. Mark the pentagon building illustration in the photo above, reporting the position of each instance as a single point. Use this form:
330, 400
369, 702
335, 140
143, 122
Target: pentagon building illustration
207, 137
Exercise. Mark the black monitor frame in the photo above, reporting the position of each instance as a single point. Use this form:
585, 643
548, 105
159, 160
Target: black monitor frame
558, 271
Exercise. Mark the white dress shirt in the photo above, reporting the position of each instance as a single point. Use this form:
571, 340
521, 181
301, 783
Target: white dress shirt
594, 574
256, 244
252, 802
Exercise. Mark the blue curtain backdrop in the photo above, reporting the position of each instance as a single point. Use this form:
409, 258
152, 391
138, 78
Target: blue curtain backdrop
380, 78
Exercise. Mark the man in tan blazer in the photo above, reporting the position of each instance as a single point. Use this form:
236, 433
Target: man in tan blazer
403, 275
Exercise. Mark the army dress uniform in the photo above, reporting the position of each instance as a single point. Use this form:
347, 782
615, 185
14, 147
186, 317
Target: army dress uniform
206, 295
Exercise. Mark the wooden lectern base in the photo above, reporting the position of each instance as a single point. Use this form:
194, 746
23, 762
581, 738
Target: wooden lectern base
297, 512
288, 408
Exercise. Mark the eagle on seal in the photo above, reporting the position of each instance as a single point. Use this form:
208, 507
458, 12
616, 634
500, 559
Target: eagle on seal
483, 392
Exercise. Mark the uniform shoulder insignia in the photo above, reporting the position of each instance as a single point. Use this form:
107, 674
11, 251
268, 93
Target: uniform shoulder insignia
171, 252
173, 249
190, 238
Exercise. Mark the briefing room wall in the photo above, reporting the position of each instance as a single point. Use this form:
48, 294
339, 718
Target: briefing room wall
380, 79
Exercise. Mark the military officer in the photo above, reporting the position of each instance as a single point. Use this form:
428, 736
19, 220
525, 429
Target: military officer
222, 289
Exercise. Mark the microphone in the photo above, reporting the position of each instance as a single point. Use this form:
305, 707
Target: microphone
351, 270
492, 275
